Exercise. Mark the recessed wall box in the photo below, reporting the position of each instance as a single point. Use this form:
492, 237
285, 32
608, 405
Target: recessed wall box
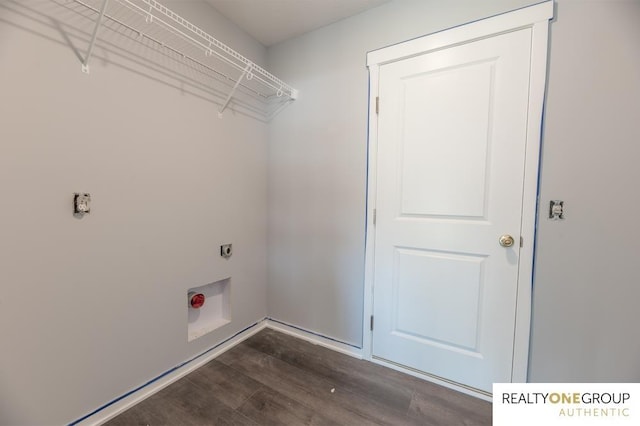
204, 317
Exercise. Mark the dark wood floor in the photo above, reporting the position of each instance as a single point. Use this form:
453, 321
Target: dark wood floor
275, 379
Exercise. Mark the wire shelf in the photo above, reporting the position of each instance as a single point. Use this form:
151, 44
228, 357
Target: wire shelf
151, 22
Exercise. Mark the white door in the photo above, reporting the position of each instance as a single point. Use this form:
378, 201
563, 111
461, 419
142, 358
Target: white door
452, 130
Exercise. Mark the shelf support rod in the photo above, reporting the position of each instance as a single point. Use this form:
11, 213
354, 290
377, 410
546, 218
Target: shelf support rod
85, 63
245, 73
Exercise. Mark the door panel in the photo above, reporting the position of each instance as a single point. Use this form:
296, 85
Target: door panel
446, 176
450, 171
456, 278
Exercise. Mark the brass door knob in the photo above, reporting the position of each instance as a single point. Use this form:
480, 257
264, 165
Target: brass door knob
506, 241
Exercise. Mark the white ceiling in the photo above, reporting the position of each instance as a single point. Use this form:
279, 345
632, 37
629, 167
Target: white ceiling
273, 21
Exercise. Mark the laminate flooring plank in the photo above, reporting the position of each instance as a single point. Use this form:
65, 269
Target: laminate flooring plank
270, 407
228, 385
311, 391
437, 411
376, 382
341, 405
152, 411
181, 403
381, 384
468, 409
271, 371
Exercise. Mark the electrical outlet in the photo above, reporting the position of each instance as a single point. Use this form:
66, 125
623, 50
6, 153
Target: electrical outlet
226, 250
556, 209
81, 204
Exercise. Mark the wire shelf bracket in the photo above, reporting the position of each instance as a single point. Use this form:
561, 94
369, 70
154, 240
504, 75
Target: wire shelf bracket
94, 36
172, 32
246, 73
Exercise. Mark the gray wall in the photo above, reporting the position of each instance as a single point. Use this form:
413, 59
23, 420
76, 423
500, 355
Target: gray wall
91, 308
586, 291
586, 285
317, 160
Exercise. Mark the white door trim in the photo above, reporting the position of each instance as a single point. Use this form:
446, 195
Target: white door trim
537, 18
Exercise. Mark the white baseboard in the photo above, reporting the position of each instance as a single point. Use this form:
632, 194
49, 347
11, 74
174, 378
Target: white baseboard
314, 338
112, 410
434, 379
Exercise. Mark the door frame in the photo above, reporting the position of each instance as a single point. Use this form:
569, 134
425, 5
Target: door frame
537, 18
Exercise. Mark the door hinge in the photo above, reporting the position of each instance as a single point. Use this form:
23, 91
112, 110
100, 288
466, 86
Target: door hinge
377, 104
521, 242
371, 323
375, 213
